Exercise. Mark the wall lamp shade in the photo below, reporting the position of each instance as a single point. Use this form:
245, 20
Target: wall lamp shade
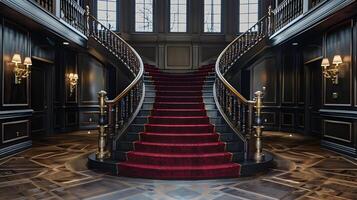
325, 62
16, 58
337, 60
28, 61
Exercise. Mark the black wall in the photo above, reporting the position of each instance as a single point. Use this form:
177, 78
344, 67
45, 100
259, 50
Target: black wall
299, 99
42, 104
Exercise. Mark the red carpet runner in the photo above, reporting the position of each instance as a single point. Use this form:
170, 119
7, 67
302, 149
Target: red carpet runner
179, 142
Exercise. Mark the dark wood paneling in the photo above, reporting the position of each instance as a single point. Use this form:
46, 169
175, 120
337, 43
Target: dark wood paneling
288, 79
338, 130
15, 40
338, 41
14, 130
93, 79
265, 73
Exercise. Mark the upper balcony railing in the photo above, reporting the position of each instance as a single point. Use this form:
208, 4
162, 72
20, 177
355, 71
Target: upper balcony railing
286, 12
115, 115
48, 5
70, 11
73, 13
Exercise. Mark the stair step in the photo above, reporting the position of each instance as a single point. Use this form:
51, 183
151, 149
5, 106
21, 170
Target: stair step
228, 170
179, 99
179, 120
178, 93
181, 128
178, 159
223, 136
179, 105
178, 137
178, 112
231, 146
193, 148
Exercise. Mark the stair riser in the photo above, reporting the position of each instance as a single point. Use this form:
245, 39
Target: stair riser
210, 113
185, 94
236, 146
179, 114
179, 150
121, 156
179, 175
223, 137
179, 139
178, 129
179, 121
177, 161
150, 106
179, 106
177, 99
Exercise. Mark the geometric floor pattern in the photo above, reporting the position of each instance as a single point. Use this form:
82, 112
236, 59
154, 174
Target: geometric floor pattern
55, 168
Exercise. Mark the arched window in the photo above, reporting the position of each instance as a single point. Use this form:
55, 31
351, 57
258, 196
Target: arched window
107, 13
248, 14
178, 15
144, 15
212, 16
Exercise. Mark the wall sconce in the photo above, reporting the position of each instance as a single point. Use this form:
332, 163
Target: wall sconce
331, 72
73, 81
21, 71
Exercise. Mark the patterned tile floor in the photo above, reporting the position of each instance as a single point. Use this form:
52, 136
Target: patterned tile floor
55, 168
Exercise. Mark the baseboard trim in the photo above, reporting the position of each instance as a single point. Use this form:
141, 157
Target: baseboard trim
345, 150
6, 151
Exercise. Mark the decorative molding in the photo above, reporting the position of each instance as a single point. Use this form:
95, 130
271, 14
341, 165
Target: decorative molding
337, 122
16, 138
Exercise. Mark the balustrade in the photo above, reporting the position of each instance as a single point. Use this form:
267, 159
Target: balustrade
286, 12
116, 114
238, 111
48, 5
73, 13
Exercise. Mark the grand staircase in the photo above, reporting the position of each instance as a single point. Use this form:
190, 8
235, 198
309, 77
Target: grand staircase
187, 126
179, 133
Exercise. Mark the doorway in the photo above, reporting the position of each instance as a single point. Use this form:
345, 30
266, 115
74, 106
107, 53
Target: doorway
313, 97
41, 97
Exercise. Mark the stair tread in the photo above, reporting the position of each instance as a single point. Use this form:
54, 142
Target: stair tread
180, 144
179, 134
188, 167
198, 155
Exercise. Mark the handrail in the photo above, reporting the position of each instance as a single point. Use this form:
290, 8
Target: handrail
115, 114
234, 107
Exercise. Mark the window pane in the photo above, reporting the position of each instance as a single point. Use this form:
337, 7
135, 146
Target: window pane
178, 15
143, 16
248, 14
212, 15
107, 13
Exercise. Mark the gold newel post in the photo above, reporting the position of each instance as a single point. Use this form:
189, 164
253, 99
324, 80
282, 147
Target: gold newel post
259, 155
102, 152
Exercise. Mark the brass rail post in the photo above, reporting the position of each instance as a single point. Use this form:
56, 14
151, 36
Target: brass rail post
102, 152
259, 155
